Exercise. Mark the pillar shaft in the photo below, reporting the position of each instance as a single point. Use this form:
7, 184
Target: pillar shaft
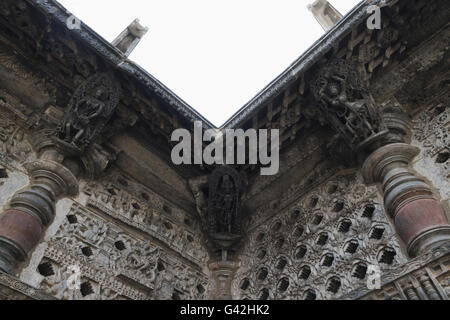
31, 210
419, 218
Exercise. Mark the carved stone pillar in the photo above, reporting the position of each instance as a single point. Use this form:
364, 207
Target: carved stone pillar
377, 137
31, 210
221, 216
418, 217
62, 154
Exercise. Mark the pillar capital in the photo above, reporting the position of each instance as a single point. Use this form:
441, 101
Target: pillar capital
56, 175
396, 154
377, 136
62, 153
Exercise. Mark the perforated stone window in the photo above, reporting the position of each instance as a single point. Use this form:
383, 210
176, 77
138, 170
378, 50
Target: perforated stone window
312, 203
317, 219
376, 232
351, 246
344, 225
262, 274
261, 254
283, 284
322, 239
387, 255
368, 211
245, 283
327, 260
176, 296
277, 226
443, 157
281, 263
332, 189
264, 294
338, 206
301, 251
3, 173
359, 270
120, 245
160, 266
187, 222
136, 205
167, 225
72, 218
46, 269
298, 232
260, 237
167, 209
295, 215
333, 285
200, 289
86, 251
279, 243
305, 272
309, 295
86, 289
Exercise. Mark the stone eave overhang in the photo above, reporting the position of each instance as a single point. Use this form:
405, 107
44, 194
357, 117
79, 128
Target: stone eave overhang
305, 62
114, 57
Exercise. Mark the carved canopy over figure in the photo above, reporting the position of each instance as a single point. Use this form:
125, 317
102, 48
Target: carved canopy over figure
89, 109
223, 208
345, 101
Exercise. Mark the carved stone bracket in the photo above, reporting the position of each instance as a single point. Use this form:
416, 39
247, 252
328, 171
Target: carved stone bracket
218, 198
378, 137
89, 109
344, 100
62, 155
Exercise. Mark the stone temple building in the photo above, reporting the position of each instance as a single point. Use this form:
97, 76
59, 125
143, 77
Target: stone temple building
92, 207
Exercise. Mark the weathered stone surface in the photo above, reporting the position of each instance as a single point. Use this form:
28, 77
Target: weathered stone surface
100, 199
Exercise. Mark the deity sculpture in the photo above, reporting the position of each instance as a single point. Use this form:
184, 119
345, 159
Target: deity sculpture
88, 111
344, 100
223, 211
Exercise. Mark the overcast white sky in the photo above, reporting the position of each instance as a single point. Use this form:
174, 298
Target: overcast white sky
214, 54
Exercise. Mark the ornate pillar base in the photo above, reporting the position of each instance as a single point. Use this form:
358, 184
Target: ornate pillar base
419, 218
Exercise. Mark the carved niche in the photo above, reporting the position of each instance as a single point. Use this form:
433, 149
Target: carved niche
88, 111
344, 99
223, 216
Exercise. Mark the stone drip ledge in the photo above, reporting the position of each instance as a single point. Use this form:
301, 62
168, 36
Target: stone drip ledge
11, 288
397, 276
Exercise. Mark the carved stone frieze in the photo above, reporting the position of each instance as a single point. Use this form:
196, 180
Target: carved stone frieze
424, 278
111, 258
122, 198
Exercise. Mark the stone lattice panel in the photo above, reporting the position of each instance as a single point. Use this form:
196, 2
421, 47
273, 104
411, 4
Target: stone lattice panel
320, 246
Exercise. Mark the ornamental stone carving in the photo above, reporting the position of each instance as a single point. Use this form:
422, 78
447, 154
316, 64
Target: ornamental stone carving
346, 103
88, 111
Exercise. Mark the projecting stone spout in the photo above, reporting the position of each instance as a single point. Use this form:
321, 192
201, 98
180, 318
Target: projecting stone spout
324, 13
129, 38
